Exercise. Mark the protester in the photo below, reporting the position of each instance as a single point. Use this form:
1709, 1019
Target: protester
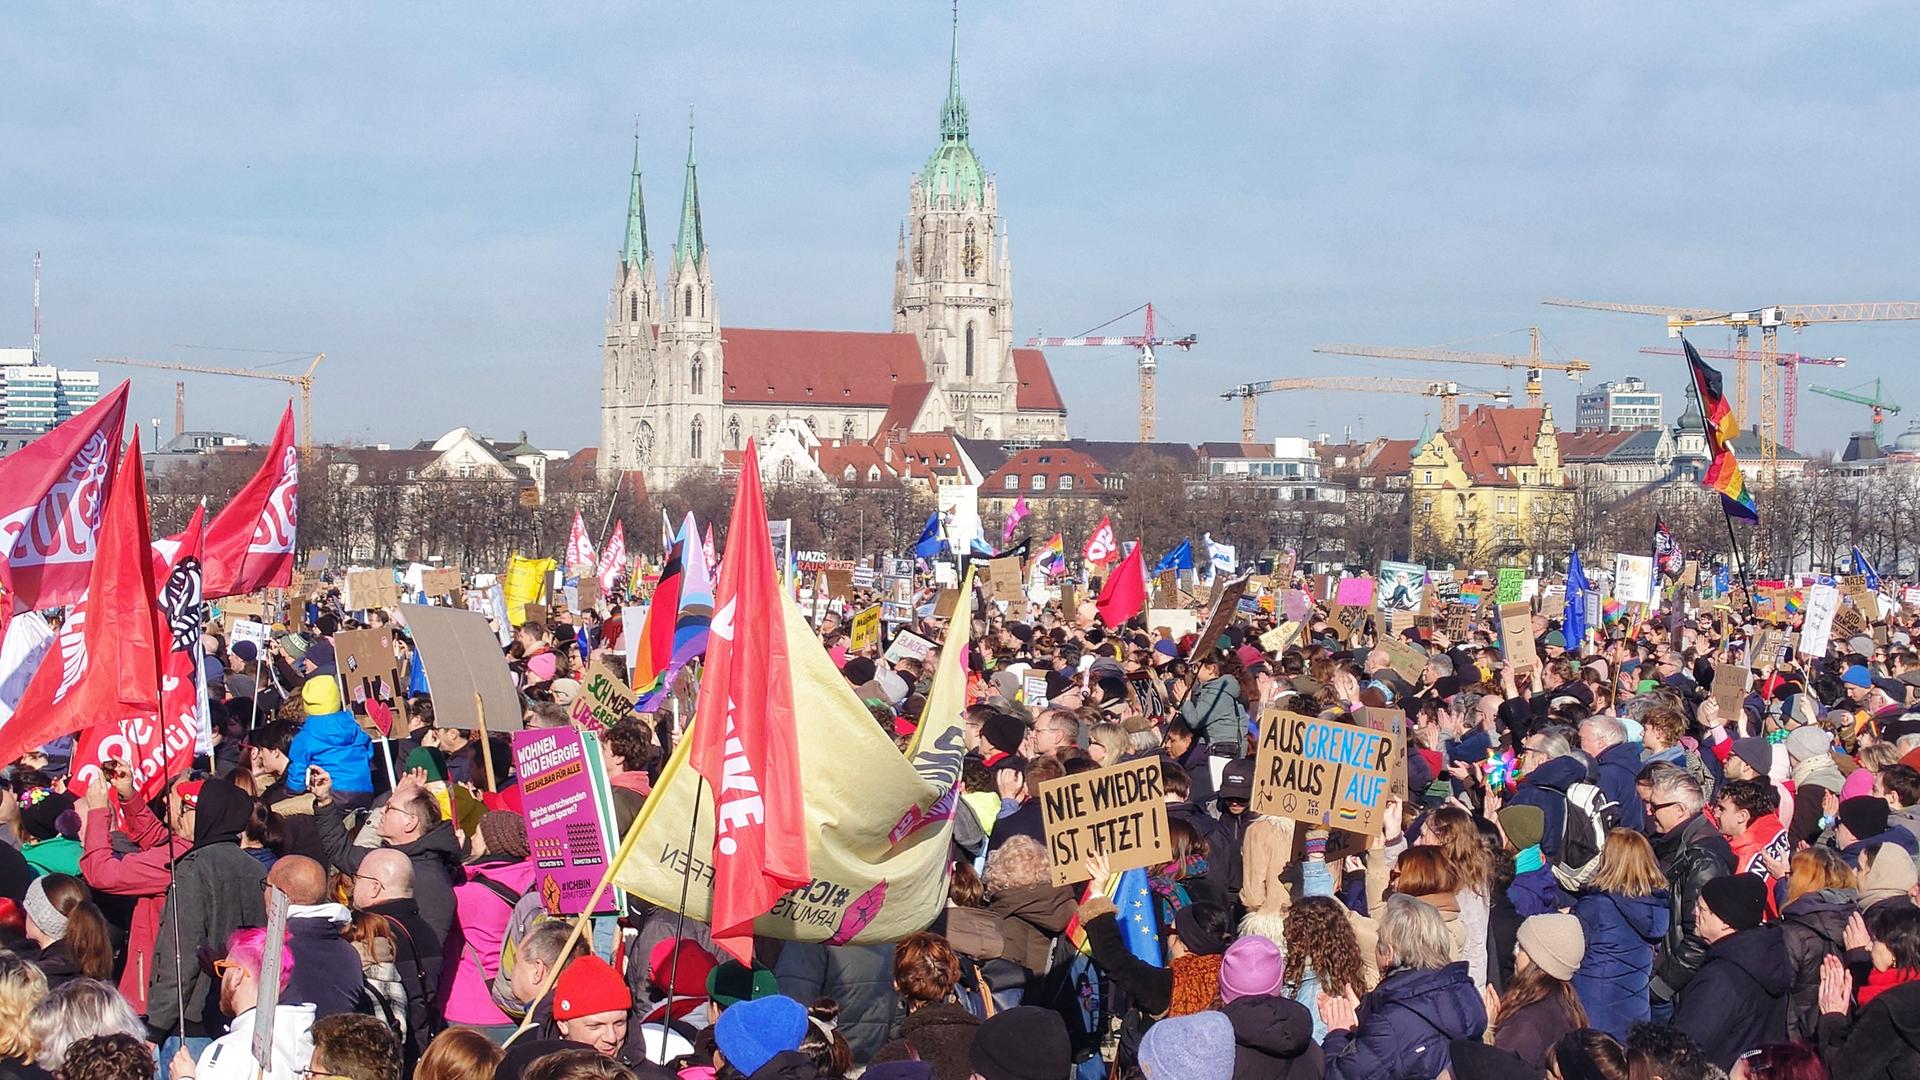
216, 890
327, 974
143, 874
384, 886
1623, 914
1691, 853
1022, 1043
230, 1057
762, 1038
80, 1009
1738, 997
498, 874
353, 1047
22, 988
108, 1057
1539, 1005
1272, 1033
1821, 899
1401, 1028
411, 824
1881, 1038
459, 1054
331, 741
1323, 957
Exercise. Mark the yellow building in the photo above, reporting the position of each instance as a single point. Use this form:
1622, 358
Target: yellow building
1491, 492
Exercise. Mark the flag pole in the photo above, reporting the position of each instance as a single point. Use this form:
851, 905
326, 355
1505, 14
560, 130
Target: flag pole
680, 925
1746, 586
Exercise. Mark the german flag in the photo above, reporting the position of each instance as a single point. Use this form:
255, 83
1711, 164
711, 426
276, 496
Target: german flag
1723, 469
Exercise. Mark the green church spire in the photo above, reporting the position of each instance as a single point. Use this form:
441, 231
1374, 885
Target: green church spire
953, 115
635, 252
953, 170
691, 245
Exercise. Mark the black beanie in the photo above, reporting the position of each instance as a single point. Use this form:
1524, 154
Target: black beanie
859, 670
1864, 816
1004, 733
1025, 1042
1195, 935
1739, 899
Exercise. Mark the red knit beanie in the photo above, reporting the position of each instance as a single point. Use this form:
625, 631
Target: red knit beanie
587, 986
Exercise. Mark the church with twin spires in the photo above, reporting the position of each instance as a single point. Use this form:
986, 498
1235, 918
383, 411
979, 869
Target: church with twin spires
680, 392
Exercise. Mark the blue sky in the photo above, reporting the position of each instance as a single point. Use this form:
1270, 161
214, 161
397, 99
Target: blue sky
433, 194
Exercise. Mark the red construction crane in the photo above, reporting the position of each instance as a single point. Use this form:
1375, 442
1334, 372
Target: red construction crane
1146, 343
1789, 370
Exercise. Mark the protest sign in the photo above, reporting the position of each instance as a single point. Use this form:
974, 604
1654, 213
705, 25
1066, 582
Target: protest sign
1295, 604
1730, 690
1177, 622
1459, 622
1633, 579
1341, 623
267, 999
1855, 589
865, 631
1393, 722
865, 577
369, 589
1283, 568
1068, 600
943, 606
1277, 639
1405, 660
1443, 585
1166, 589
250, 630
1119, 811
1508, 585
1033, 692
1849, 622
840, 583
440, 581
234, 609
565, 800
1324, 772
1516, 637
370, 670
1003, 580
1400, 586
604, 698
1354, 592
1226, 602
1823, 603
906, 643
466, 671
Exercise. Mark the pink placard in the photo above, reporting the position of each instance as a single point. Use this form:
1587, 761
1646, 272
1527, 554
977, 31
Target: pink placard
1354, 592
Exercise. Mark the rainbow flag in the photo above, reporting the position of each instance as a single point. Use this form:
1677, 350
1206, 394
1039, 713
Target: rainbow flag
1052, 556
1722, 427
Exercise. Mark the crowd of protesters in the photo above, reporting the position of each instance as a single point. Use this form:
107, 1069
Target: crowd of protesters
1600, 869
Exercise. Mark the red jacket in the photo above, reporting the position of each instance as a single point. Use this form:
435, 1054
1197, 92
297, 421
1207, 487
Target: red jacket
144, 874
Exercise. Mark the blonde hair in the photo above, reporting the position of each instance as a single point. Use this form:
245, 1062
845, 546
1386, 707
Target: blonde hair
1112, 738
22, 987
1020, 863
1628, 866
1413, 935
1877, 755
1816, 868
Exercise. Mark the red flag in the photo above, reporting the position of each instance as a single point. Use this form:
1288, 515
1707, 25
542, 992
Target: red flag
613, 559
50, 505
1101, 546
159, 745
249, 543
1126, 589
104, 665
744, 742
579, 545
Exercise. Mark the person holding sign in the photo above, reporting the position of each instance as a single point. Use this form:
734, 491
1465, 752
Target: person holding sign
1189, 983
231, 1055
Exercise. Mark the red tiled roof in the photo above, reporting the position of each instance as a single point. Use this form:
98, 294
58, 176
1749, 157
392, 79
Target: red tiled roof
1591, 445
1051, 462
1492, 438
834, 459
924, 454
907, 400
818, 367
1037, 391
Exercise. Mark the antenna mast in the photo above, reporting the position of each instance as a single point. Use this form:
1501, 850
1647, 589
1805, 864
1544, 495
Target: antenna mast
36, 307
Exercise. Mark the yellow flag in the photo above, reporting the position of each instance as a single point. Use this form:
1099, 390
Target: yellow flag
526, 582
878, 822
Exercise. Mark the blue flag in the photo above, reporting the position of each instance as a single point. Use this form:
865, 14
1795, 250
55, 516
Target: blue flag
1573, 623
1138, 923
1180, 558
1722, 581
1865, 569
929, 543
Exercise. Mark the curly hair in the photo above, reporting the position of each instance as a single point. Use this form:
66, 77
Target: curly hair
22, 987
925, 969
1020, 863
356, 1047
109, 1057
1319, 941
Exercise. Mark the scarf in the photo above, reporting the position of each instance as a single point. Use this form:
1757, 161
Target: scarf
1528, 859
1196, 984
1882, 981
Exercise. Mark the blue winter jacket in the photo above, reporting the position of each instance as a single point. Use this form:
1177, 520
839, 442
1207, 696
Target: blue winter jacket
1405, 1025
1612, 980
1616, 771
336, 743
1546, 788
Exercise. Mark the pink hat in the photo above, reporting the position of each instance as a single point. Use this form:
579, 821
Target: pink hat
1252, 967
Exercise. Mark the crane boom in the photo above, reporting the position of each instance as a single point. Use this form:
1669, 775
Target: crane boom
1447, 392
303, 381
1146, 343
1878, 405
1532, 362
1789, 372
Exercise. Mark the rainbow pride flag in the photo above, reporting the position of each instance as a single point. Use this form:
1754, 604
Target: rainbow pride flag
1722, 427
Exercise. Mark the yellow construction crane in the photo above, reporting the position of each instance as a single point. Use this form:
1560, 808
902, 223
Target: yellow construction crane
1769, 320
304, 382
1531, 362
1449, 394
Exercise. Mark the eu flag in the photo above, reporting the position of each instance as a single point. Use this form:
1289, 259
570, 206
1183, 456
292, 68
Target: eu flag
1573, 624
1180, 558
1138, 923
928, 546
1865, 569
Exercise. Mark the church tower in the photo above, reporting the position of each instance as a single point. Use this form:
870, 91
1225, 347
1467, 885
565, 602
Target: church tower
627, 365
953, 285
688, 437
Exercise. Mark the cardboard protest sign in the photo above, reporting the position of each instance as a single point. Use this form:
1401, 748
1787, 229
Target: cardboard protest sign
1324, 772
369, 589
1459, 622
864, 634
466, 671
1730, 689
1166, 589
1276, 640
907, 643
1283, 568
1354, 592
567, 805
1855, 589
1508, 585
1004, 581
1119, 811
267, 1003
1405, 660
1400, 586
1516, 637
440, 581
943, 606
1823, 603
1226, 601
840, 583
1069, 600
369, 670
1633, 579
1849, 622
235, 609
1392, 722
604, 699
1340, 622
1177, 622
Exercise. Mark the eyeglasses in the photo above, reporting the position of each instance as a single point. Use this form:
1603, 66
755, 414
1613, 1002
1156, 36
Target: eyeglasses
376, 883
1656, 807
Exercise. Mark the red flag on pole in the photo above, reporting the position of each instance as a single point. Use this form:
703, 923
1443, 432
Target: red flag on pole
1101, 546
613, 559
51, 493
744, 742
104, 665
249, 543
1126, 589
579, 545
160, 745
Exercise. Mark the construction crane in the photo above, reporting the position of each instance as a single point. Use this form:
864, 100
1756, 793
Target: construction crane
179, 412
1449, 394
1879, 406
1789, 374
1146, 343
1531, 362
303, 381
1769, 320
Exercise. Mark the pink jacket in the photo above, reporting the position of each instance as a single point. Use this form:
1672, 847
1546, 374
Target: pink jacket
143, 874
479, 922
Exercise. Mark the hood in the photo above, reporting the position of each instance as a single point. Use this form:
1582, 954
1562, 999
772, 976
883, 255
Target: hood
222, 814
1271, 1026
1824, 904
438, 842
335, 914
1761, 953
1646, 915
515, 874
1232, 687
1626, 755
942, 1018
1558, 773
335, 729
786, 1065
1445, 999
1048, 907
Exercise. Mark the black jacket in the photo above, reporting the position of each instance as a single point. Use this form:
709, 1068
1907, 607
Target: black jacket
1273, 1039
1738, 998
57, 964
436, 863
326, 967
940, 1034
1690, 856
216, 890
1814, 926
1882, 1041
417, 956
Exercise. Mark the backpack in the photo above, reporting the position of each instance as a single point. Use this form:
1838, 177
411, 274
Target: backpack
1589, 814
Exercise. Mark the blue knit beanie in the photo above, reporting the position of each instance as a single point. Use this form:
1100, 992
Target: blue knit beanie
1197, 1047
750, 1033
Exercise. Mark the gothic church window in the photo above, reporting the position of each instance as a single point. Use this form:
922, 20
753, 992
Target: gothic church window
686, 301
787, 472
696, 438
970, 258
846, 428
969, 367
643, 439
697, 375
773, 425
733, 432
633, 307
